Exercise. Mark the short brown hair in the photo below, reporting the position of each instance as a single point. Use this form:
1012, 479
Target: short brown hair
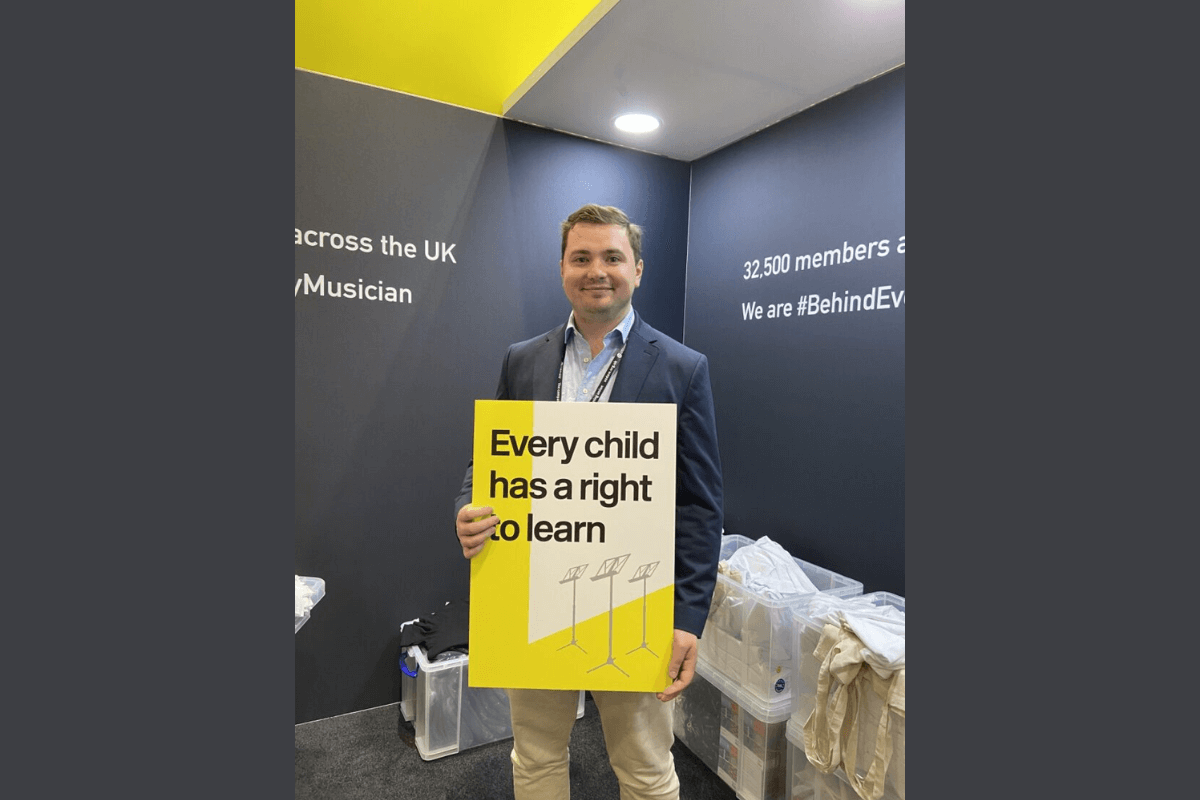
604, 215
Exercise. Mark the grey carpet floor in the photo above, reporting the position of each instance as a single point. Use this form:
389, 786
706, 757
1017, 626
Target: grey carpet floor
371, 755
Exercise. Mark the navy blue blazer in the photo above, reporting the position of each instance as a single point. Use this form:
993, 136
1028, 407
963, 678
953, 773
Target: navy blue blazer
654, 369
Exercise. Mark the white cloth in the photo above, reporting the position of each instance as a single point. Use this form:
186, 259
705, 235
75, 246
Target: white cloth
767, 569
879, 628
828, 607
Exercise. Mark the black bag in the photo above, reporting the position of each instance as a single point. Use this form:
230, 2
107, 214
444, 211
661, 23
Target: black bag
441, 631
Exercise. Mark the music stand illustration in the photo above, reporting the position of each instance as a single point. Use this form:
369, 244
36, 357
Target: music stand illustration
609, 569
573, 576
642, 574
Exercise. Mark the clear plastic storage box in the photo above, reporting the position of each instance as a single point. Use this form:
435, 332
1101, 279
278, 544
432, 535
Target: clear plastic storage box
448, 715
309, 592
748, 637
738, 737
807, 635
805, 780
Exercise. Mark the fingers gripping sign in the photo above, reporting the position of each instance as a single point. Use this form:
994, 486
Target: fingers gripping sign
474, 526
682, 665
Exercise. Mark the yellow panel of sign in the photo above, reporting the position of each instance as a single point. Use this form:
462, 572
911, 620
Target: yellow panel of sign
576, 588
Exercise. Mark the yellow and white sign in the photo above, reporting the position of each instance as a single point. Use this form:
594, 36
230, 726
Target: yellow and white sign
576, 588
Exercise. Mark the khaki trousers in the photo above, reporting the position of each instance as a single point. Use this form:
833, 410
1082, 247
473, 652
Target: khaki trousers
637, 733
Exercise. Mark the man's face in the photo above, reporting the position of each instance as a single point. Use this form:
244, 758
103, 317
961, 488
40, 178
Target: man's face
598, 272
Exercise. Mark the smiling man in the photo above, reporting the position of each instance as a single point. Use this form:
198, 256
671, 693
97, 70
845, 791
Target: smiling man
600, 269
605, 352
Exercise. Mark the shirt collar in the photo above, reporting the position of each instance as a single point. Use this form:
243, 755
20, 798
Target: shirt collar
622, 329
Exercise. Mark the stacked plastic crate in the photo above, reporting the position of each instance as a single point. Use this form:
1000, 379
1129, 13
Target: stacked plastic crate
309, 592
804, 780
737, 737
448, 715
734, 715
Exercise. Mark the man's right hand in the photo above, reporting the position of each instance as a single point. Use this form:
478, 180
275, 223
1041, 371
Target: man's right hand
474, 526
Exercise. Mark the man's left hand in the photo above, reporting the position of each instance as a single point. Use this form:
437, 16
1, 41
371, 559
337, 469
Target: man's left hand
682, 666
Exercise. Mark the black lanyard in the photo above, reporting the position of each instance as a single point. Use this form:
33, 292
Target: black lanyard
612, 367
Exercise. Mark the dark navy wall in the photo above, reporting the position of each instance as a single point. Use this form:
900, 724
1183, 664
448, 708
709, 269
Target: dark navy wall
810, 408
385, 390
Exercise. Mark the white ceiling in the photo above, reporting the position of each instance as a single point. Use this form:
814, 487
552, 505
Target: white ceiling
714, 71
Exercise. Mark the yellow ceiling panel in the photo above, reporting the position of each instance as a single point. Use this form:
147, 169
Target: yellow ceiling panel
472, 53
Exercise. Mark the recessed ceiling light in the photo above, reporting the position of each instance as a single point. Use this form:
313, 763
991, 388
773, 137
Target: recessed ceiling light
636, 123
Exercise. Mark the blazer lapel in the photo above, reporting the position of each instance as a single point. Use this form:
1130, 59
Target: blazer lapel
636, 364
546, 361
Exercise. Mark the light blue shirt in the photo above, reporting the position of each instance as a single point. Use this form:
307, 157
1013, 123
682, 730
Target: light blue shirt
581, 372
